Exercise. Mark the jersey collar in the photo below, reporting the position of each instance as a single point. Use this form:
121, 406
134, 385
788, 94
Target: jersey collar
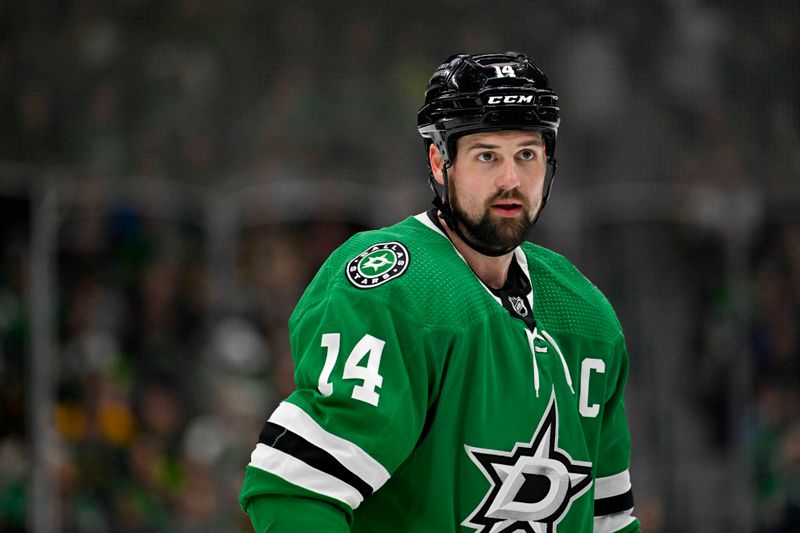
430, 220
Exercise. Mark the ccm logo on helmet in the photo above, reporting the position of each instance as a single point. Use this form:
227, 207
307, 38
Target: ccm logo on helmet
511, 99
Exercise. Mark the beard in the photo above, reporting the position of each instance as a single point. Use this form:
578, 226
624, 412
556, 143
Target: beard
490, 231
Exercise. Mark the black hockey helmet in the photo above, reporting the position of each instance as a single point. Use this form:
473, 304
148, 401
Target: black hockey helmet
487, 92
480, 93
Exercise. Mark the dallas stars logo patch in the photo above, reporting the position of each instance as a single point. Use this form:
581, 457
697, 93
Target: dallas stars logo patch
377, 264
531, 487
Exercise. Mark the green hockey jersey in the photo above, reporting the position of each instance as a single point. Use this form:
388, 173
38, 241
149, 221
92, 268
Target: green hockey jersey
427, 402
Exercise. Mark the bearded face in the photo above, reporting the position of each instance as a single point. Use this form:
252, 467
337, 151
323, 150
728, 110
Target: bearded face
495, 186
486, 227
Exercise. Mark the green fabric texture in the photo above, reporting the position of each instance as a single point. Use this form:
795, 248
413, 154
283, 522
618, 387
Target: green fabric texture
290, 514
454, 392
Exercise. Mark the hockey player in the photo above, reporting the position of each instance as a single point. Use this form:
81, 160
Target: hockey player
452, 377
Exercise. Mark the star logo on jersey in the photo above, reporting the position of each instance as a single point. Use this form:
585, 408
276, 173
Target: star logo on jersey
377, 264
532, 487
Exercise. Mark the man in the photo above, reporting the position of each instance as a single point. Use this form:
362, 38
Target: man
450, 376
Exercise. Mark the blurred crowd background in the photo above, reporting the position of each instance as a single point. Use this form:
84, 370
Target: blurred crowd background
173, 173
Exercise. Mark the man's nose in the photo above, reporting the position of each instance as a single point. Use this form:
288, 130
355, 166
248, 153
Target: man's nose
508, 178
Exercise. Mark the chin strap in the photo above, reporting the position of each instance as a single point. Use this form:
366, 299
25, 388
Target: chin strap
450, 218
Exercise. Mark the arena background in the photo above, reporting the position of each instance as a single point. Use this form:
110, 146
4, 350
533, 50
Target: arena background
173, 173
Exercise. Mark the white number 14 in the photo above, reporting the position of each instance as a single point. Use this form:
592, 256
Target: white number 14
369, 346
507, 71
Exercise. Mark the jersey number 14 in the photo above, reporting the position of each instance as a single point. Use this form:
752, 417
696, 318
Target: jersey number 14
369, 347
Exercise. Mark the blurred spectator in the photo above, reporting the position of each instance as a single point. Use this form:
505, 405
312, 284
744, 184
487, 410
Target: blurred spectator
776, 348
163, 377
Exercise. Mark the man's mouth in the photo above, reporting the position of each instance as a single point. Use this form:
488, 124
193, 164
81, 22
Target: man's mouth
507, 208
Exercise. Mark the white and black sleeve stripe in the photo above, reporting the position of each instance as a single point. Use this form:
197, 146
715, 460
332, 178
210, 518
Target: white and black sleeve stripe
294, 447
613, 502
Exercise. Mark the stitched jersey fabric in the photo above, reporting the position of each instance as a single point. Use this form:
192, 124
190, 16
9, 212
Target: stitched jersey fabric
427, 402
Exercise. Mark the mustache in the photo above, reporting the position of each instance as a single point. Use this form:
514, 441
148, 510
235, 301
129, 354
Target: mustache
513, 194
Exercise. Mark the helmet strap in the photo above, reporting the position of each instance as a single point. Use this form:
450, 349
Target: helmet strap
450, 218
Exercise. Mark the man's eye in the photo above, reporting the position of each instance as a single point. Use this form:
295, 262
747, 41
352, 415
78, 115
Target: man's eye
527, 155
485, 156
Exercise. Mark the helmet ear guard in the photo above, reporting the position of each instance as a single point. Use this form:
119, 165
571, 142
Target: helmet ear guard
482, 93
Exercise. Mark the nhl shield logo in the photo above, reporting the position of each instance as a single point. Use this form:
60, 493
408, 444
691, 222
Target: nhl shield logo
377, 264
518, 305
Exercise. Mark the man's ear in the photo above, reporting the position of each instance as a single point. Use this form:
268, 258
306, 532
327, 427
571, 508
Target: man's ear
437, 162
